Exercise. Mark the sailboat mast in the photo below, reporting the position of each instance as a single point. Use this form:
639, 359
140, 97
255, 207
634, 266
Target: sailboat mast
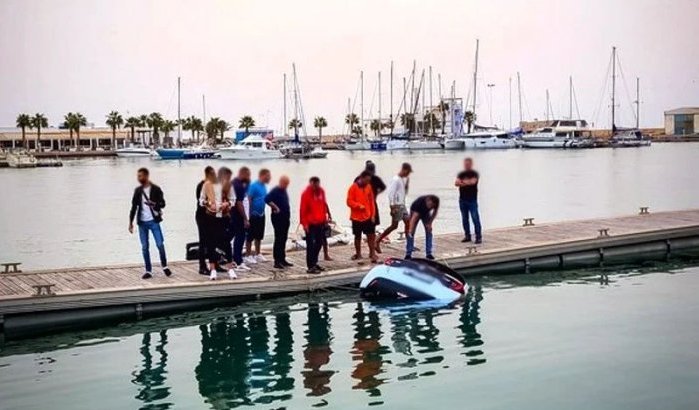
547, 105
390, 117
296, 104
412, 88
203, 107
613, 86
379, 103
510, 100
475, 80
519, 97
361, 102
570, 97
349, 116
638, 104
431, 102
285, 126
179, 118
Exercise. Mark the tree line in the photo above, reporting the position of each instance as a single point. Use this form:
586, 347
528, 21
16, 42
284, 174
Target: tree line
155, 122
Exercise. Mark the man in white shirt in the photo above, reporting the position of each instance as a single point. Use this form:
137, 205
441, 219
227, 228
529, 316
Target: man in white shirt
397, 192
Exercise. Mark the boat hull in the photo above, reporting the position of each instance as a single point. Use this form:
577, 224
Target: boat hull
359, 146
398, 145
133, 153
490, 143
454, 144
249, 154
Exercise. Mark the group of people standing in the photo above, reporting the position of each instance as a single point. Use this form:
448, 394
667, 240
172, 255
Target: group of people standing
231, 217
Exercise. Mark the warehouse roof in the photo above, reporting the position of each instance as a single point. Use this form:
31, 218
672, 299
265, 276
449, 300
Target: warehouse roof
683, 111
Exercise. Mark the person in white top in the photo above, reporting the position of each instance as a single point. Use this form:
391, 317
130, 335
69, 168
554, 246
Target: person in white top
396, 193
216, 198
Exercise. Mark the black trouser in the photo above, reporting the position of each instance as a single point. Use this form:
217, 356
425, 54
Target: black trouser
202, 240
314, 242
281, 224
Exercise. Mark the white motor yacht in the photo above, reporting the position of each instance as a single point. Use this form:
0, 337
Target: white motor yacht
252, 147
560, 134
133, 151
405, 143
490, 139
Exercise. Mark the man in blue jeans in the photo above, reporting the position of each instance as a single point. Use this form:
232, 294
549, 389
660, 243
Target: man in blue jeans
467, 182
424, 209
239, 217
147, 206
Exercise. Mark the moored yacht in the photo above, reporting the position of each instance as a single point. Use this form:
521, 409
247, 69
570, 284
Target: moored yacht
252, 147
629, 138
397, 143
560, 134
133, 151
489, 139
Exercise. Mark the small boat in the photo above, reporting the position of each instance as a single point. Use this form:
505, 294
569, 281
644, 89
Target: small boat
398, 143
252, 147
21, 159
171, 153
630, 138
133, 151
358, 145
489, 139
186, 153
454, 144
302, 151
414, 279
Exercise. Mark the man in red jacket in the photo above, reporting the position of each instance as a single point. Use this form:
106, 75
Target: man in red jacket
314, 216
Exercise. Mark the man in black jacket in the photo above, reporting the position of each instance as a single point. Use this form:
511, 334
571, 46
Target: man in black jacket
147, 206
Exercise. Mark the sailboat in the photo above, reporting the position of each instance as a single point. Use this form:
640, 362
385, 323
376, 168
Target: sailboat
485, 137
626, 137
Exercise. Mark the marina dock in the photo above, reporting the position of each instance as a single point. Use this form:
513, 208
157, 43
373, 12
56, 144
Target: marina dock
36, 302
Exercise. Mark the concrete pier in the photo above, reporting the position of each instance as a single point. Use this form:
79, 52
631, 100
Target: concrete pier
36, 302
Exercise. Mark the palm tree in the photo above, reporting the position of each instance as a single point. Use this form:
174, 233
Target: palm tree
39, 121
246, 122
375, 126
216, 126
295, 124
80, 121
443, 107
155, 122
407, 120
470, 118
24, 121
430, 120
196, 126
167, 126
69, 124
320, 123
114, 120
133, 122
351, 120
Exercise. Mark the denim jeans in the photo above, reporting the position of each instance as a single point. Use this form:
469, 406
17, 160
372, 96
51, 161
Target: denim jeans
410, 240
154, 227
238, 233
470, 207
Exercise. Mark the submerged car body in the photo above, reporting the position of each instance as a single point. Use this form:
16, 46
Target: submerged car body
414, 279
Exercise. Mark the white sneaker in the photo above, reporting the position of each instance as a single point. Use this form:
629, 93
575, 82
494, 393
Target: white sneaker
243, 266
260, 258
250, 260
231, 274
213, 275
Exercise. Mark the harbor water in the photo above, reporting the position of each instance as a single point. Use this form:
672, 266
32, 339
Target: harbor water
77, 215
623, 338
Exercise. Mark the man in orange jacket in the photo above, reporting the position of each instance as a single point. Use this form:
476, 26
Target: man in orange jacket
360, 200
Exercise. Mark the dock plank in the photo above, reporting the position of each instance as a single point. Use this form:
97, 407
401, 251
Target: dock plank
93, 284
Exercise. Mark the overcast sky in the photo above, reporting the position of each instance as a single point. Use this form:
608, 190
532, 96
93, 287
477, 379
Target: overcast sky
94, 56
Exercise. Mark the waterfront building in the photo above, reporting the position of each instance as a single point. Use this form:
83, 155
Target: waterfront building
682, 121
60, 139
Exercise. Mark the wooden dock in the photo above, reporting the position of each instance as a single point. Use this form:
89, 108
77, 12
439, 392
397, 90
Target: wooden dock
62, 298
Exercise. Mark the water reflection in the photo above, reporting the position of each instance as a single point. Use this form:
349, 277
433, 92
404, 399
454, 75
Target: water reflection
151, 377
317, 351
239, 367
